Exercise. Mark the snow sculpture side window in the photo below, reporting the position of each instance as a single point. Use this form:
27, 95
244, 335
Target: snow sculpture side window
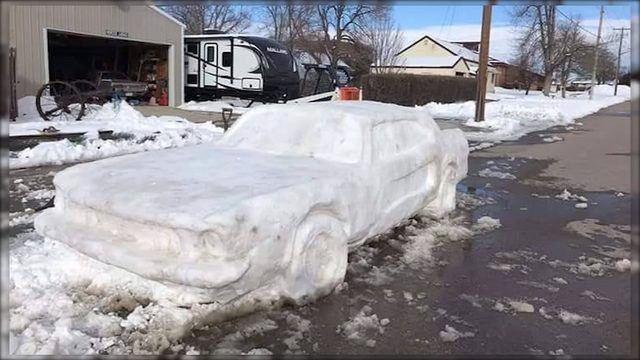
394, 138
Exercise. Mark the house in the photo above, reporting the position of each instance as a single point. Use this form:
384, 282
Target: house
471, 45
431, 56
510, 76
71, 40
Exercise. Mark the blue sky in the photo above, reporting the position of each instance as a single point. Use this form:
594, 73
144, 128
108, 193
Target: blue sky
411, 15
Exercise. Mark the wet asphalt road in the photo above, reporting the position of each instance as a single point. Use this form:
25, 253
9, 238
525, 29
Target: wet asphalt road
464, 285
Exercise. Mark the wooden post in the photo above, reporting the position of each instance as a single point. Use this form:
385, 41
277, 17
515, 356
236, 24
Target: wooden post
481, 74
615, 89
595, 58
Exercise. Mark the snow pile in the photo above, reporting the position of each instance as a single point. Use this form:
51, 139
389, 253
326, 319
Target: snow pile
62, 302
361, 328
133, 132
516, 114
418, 249
450, 334
486, 223
566, 196
237, 106
552, 139
623, 265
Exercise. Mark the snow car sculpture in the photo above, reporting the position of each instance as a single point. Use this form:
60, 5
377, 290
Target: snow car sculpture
276, 203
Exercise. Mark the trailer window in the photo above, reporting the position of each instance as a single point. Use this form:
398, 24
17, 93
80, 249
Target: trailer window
211, 54
192, 48
227, 60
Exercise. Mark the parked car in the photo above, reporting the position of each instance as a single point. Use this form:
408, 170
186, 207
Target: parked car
276, 203
117, 81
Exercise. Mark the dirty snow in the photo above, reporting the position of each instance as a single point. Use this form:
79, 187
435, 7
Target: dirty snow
551, 139
132, 132
623, 265
486, 223
566, 195
236, 105
516, 114
590, 228
66, 303
488, 172
362, 328
450, 334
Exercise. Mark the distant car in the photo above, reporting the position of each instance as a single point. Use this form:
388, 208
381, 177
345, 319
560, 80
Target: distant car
117, 81
275, 204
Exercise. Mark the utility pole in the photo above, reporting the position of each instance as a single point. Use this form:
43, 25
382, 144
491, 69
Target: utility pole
615, 89
595, 57
481, 75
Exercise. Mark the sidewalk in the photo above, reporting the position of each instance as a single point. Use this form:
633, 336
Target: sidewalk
594, 157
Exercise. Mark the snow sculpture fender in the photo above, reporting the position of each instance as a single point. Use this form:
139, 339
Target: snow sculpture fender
454, 168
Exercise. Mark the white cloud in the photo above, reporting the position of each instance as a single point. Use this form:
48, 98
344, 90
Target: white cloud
502, 41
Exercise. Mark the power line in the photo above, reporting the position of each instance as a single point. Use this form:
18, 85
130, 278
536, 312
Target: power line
575, 22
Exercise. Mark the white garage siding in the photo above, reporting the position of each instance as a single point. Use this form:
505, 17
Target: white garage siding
29, 22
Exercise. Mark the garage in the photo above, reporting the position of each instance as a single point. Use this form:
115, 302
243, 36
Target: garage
80, 40
74, 57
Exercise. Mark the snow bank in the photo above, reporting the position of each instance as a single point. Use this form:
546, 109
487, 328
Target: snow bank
134, 131
515, 114
65, 303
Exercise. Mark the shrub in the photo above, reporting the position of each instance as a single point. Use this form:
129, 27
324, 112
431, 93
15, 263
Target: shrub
411, 89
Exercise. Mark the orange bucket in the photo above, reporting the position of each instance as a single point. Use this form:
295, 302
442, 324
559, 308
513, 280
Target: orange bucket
349, 93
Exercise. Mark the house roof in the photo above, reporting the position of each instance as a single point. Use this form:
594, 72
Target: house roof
454, 49
428, 61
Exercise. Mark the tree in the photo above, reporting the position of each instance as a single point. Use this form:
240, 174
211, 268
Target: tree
338, 23
288, 23
606, 63
210, 15
526, 61
538, 24
571, 45
383, 37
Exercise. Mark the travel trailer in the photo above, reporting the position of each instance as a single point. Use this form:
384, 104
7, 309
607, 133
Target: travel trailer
244, 66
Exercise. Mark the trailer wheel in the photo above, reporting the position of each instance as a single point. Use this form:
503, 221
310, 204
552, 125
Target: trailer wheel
59, 100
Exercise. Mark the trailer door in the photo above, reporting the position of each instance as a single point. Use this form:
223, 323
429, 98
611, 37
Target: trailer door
210, 65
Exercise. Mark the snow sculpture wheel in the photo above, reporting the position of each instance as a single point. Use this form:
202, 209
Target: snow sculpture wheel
59, 100
314, 271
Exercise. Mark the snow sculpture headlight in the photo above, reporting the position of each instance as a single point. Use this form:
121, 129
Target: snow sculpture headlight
211, 243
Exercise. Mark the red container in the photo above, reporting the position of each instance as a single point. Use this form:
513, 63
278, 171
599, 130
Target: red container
349, 93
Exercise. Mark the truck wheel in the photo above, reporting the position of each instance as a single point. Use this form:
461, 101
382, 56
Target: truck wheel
319, 259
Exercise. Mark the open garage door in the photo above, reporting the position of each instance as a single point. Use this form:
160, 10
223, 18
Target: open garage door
74, 56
